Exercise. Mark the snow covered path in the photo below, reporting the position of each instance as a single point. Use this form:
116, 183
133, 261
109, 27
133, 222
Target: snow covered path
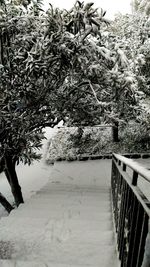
68, 223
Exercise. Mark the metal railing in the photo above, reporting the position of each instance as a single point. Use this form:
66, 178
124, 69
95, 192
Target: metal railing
131, 211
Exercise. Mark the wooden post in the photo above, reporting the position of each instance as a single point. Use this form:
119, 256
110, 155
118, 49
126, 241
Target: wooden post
134, 178
115, 135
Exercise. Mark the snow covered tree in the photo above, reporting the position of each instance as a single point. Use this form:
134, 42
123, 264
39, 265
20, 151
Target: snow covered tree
141, 6
18, 137
54, 66
132, 32
100, 83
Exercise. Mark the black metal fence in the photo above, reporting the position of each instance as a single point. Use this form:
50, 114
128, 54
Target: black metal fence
131, 211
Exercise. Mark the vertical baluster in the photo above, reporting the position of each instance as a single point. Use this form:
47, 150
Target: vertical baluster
121, 237
113, 183
129, 215
144, 232
131, 228
115, 179
135, 233
138, 226
120, 215
124, 238
118, 199
127, 224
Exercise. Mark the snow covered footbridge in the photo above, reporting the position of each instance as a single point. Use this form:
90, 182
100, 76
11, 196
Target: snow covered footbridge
69, 222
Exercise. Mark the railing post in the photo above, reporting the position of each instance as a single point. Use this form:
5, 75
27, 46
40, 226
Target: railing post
124, 167
134, 178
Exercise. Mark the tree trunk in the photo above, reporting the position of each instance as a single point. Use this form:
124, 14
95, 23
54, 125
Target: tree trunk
7, 176
5, 203
12, 178
115, 128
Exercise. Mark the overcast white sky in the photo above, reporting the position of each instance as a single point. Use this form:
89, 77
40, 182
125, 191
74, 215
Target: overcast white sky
111, 6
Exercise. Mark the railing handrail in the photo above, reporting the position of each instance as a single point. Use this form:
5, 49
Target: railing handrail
138, 168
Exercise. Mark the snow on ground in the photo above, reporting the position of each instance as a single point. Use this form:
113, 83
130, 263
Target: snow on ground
32, 177
57, 223
67, 223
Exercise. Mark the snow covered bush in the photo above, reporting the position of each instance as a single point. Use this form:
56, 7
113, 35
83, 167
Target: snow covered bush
65, 145
68, 145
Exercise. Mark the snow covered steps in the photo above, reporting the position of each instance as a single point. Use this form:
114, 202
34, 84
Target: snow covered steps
68, 223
